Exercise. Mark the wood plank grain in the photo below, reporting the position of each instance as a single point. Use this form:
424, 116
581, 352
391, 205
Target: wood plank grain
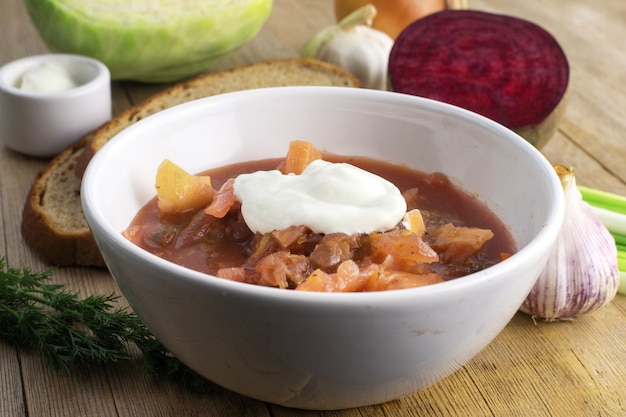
565, 369
20, 38
49, 393
129, 382
12, 404
589, 170
17, 172
535, 368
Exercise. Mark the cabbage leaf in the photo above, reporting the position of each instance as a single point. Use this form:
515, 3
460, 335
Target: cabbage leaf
149, 40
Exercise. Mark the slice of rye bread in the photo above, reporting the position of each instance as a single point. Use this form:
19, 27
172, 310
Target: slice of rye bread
53, 222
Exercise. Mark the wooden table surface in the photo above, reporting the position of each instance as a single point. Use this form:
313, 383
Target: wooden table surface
567, 369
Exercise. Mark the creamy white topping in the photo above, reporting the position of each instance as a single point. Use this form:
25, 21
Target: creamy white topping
49, 77
327, 198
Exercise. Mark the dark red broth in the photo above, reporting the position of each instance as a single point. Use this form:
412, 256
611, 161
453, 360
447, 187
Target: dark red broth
189, 241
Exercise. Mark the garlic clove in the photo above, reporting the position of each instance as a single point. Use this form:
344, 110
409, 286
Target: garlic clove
362, 16
355, 46
581, 274
362, 52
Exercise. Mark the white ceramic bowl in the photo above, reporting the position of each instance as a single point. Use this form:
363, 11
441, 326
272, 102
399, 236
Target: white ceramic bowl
321, 350
43, 123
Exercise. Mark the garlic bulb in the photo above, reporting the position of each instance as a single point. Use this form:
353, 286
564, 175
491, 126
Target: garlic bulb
355, 46
581, 274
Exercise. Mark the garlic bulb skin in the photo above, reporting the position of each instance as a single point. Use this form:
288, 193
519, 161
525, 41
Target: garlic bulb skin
581, 274
356, 47
362, 51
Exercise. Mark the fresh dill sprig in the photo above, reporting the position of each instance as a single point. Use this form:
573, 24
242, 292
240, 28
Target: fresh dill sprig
74, 333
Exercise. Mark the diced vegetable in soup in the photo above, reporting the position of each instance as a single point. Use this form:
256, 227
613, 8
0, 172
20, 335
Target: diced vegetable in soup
320, 223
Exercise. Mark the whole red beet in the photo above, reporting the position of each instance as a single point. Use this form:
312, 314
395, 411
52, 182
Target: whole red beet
503, 67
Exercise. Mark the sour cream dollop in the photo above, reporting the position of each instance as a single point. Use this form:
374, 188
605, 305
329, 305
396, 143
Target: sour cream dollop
49, 77
326, 197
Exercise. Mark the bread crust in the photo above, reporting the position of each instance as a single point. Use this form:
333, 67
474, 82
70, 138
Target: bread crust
53, 223
285, 72
55, 244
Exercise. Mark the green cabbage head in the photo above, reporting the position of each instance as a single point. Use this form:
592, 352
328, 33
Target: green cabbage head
149, 40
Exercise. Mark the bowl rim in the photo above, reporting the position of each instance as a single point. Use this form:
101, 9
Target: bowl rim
539, 242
